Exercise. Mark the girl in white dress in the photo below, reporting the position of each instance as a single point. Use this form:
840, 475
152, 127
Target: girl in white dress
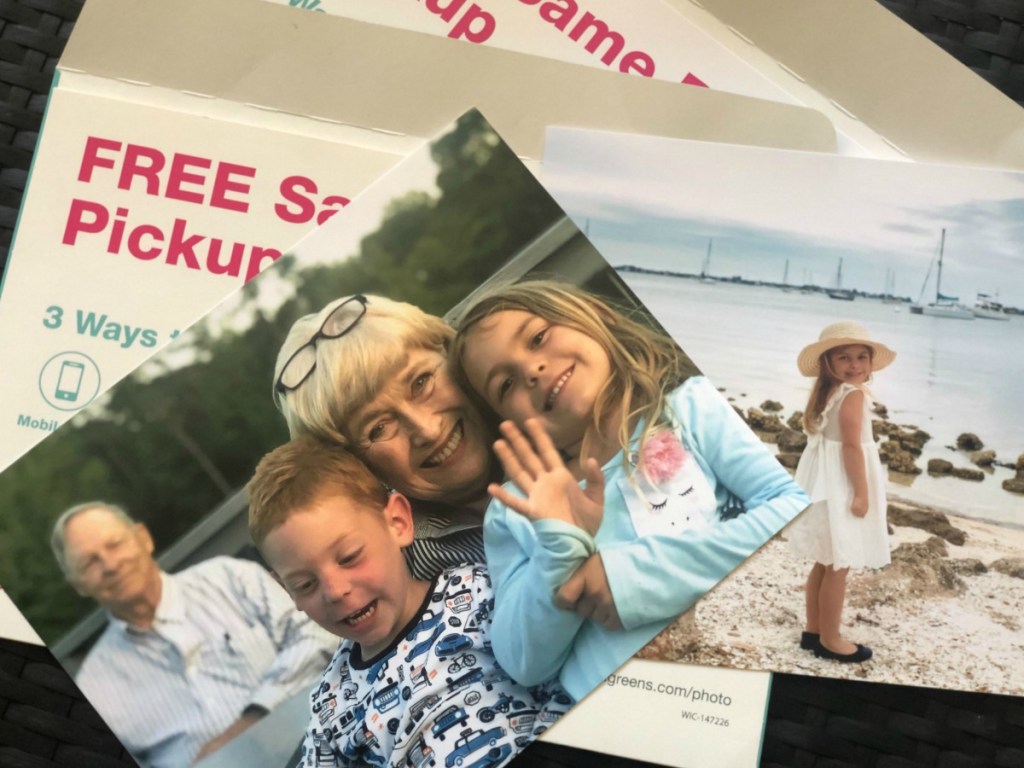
845, 526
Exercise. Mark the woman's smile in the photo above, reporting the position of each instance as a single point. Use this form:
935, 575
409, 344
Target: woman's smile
422, 436
447, 448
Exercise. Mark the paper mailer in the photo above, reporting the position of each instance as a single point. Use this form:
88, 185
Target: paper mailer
376, 77
890, 93
163, 181
882, 72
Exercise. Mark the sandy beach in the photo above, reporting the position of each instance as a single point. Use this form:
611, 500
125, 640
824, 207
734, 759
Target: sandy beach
943, 614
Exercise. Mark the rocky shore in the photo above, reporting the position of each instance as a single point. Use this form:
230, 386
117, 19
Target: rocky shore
947, 613
900, 446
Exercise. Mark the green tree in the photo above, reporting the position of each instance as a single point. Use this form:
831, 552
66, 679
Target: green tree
172, 440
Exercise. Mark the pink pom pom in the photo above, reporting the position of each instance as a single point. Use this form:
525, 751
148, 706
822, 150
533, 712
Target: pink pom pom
663, 455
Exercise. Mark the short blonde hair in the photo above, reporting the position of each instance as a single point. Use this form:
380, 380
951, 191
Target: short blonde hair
645, 364
350, 370
302, 471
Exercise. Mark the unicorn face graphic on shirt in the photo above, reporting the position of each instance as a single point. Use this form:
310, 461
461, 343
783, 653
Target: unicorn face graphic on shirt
667, 492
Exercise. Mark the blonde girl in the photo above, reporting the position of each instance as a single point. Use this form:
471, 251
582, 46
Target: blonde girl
841, 470
590, 395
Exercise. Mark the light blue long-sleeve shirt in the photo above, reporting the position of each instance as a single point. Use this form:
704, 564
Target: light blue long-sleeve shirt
653, 578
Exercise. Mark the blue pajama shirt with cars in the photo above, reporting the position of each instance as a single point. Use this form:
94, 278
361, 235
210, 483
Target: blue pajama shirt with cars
435, 697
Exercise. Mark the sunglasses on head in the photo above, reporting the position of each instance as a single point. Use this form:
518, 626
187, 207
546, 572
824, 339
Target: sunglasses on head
342, 319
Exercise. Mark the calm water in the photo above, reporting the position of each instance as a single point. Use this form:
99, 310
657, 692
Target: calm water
950, 376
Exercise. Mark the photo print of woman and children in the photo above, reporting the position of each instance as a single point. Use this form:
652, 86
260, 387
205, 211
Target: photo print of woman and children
477, 476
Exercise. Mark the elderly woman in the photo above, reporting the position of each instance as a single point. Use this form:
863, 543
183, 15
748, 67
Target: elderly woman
371, 374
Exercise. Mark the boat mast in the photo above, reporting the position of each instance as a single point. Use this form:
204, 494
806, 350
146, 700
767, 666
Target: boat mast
924, 285
938, 279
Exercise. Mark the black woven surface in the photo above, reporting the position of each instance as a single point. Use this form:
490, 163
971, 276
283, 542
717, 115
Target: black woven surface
45, 721
32, 36
986, 35
812, 723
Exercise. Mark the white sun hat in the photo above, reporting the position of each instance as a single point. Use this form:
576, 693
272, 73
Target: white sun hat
839, 335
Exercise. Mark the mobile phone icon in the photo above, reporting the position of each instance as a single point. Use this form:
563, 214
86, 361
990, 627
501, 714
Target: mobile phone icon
69, 382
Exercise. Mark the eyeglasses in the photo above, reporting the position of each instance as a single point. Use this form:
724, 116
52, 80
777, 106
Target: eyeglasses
301, 364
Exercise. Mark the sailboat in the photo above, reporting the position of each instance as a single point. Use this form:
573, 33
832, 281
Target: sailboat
705, 269
915, 309
988, 308
943, 306
843, 294
785, 278
808, 280
889, 297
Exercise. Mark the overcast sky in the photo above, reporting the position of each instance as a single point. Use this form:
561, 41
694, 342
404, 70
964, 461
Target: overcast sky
657, 202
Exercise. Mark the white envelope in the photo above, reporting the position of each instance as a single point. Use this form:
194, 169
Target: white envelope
889, 91
162, 181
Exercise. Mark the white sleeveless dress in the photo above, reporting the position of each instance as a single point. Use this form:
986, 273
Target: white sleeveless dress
827, 532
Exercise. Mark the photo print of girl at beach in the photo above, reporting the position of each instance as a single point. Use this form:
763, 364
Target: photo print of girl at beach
750, 253
177, 442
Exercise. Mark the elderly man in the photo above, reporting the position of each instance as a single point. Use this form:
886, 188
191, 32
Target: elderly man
189, 660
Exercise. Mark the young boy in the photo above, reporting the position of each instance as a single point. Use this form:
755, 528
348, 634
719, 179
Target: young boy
414, 681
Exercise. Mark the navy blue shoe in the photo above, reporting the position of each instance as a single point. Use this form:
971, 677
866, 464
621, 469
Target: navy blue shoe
809, 640
863, 653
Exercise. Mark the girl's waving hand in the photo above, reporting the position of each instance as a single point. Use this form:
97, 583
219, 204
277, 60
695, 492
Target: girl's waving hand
535, 466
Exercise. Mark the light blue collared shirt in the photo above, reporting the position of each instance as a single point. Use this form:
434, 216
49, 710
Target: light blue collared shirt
225, 636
